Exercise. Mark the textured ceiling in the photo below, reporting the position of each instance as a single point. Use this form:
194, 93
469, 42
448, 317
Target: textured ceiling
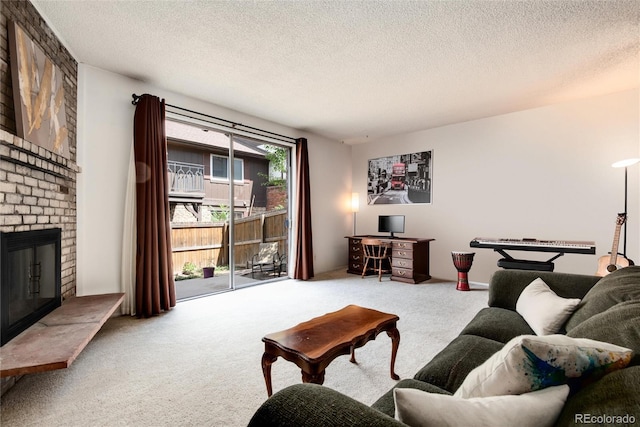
358, 70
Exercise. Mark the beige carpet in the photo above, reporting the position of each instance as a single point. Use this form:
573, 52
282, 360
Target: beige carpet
199, 364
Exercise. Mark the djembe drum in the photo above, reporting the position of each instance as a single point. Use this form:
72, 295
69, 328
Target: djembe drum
462, 262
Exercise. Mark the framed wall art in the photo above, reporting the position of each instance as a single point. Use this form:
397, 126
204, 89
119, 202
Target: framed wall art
400, 179
38, 94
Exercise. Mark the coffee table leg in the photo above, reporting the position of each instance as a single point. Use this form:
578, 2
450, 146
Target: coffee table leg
353, 354
394, 334
267, 360
313, 378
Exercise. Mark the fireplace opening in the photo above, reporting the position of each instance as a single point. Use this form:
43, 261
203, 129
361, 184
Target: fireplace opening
30, 278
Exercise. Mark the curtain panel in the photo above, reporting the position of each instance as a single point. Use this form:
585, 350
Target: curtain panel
303, 268
155, 289
128, 268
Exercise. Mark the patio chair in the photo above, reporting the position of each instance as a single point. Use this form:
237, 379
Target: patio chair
267, 259
282, 264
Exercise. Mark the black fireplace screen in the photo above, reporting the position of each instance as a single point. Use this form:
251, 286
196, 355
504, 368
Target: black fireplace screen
30, 267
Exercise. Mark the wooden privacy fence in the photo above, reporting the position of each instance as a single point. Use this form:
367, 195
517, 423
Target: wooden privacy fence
207, 244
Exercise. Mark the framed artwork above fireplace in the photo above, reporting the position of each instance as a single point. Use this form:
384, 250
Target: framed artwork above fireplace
38, 94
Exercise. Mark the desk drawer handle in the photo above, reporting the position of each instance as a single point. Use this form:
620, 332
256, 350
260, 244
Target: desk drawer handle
402, 263
355, 257
401, 273
402, 253
356, 248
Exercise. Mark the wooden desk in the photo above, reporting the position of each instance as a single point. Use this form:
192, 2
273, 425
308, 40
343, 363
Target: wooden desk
409, 258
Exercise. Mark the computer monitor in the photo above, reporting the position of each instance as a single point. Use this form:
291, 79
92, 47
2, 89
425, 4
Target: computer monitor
391, 224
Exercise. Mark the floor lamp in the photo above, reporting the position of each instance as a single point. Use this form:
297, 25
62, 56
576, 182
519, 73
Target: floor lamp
625, 164
355, 207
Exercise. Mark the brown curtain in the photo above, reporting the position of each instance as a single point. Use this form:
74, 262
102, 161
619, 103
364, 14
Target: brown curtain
155, 290
304, 253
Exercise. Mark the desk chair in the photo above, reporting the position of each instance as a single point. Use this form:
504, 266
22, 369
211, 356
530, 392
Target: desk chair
377, 251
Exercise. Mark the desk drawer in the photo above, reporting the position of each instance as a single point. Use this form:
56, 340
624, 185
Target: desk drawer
402, 273
397, 245
355, 267
402, 262
355, 246
402, 253
355, 257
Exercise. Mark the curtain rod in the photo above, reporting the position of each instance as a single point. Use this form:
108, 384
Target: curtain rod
227, 123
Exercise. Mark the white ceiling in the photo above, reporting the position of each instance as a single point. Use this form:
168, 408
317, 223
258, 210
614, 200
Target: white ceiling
358, 70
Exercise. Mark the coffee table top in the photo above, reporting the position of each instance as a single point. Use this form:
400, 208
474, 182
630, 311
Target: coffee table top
315, 338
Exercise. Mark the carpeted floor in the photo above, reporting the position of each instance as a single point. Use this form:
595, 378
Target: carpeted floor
199, 364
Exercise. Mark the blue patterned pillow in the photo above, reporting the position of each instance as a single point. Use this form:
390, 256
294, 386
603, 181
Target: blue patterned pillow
530, 362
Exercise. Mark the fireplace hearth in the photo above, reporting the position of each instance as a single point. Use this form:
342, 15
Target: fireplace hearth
30, 278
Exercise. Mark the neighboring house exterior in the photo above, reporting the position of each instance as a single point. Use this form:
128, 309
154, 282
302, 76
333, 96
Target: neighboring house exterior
198, 177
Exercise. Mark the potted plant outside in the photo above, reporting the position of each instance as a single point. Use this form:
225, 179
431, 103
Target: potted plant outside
208, 271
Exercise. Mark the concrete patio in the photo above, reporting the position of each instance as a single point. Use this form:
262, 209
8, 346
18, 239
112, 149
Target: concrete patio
194, 288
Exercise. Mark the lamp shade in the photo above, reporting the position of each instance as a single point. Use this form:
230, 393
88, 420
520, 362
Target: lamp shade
355, 202
625, 163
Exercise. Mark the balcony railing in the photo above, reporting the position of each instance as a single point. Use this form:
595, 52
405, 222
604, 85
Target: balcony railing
185, 177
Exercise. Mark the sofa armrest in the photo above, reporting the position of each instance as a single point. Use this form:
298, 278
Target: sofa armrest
506, 286
312, 405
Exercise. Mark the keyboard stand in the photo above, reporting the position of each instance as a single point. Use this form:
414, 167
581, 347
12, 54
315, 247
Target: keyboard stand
510, 263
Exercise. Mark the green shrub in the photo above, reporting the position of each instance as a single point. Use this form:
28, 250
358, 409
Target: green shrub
189, 269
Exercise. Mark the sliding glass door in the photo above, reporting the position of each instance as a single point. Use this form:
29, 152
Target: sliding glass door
261, 233
229, 200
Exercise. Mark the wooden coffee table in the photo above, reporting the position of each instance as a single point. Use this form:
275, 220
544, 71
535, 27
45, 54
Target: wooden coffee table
312, 345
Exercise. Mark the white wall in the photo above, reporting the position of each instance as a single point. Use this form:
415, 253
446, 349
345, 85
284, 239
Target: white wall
105, 132
543, 173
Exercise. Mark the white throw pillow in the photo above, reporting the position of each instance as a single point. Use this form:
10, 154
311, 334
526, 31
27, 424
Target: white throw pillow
530, 362
418, 408
543, 310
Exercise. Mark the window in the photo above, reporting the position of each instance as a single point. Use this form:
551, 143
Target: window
220, 169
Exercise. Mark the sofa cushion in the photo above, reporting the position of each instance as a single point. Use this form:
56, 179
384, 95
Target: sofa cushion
542, 309
417, 408
618, 325
613, 395
497, 324
448, 369
619, 286
507, 285
313, 405
386, 404
530, 362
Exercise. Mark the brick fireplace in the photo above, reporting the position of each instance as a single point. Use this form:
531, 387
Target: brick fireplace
38, 191
37, 186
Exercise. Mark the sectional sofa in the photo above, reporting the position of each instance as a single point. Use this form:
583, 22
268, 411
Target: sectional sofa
604, 311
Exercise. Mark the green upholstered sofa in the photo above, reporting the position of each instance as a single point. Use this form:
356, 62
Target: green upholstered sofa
609, 311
